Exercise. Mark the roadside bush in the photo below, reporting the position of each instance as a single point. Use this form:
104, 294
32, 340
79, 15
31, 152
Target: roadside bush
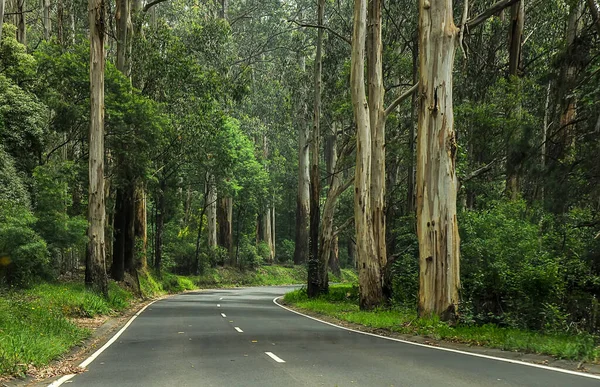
248, 254
23, 253
285, 251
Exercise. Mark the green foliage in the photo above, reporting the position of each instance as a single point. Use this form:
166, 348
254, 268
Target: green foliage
23, 253
285, 251
52, 201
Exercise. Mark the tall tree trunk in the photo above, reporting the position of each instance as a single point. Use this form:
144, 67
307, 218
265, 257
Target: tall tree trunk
303, 196
437, 227
369, 270
46, 19
410, 191
117, 269
60, 16
123, 21
72, 17
141, 226
513, 161
377, 122
328, 244
211, 212
160, 222
1, 17
129, 231
95, 260
317, 280
21, 23
224, 222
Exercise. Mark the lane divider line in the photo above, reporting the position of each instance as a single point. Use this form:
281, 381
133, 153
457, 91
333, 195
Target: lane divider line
218, 305
275, 357
238, 329
544, 367
93, 357
223, 315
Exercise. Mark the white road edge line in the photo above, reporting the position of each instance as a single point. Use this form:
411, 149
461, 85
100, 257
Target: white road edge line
93, 357
275, 357
223, 315
238, 329
576, 373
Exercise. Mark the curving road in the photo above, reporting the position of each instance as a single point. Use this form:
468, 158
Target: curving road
239, 337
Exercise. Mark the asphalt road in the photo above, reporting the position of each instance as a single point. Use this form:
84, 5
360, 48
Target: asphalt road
239, 337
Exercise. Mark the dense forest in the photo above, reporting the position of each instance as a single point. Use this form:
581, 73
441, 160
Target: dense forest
449, 151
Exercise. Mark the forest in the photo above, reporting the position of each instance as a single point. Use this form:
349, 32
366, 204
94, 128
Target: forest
448, 152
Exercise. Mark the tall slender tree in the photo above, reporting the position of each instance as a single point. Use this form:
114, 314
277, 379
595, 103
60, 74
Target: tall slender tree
95, 261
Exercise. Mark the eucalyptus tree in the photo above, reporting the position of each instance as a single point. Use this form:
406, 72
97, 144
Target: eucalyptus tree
95, 274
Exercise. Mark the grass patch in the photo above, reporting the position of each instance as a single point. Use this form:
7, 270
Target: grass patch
35, 325
342, 304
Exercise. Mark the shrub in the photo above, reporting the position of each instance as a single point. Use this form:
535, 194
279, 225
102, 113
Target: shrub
285, 251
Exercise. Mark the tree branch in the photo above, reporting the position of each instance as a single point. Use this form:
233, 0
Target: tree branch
478, 172
399, 100
152, 4
483, 16
343, 226
345, 39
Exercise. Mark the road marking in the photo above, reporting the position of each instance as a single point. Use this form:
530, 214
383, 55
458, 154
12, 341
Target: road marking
576, 373
275, 357
238, 329
220, 298
218, 305
93, 357
223, 315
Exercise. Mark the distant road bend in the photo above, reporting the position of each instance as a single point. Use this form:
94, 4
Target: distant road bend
240, 337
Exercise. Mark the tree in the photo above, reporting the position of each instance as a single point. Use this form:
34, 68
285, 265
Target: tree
318, 282
95, 259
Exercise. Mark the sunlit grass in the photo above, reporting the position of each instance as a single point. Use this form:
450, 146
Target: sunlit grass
342, 304
35, 325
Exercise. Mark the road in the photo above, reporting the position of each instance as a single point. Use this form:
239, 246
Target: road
239, 337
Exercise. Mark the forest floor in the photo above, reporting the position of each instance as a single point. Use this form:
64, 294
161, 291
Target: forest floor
340, 306
51, 321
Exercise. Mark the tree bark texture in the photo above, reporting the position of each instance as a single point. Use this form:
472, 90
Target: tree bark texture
141, 226
21, 22
117, 269
369, 270
317, 277
2, 3
211, 212
160, 222
328, 240
224, 221
377, 122
303, 197
95, 260
514, 159
46, 19
437, 227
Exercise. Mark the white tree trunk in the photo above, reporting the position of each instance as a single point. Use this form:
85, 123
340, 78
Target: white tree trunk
377, 123
437, 227
95, 262
1, 17
369, 271
47, 22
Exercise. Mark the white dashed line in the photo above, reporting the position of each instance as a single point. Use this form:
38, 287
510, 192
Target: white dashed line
218, 305
220, 298
223, 315
238, 329
275, 357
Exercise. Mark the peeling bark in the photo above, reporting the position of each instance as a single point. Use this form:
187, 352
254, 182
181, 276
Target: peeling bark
437, 227
95, 277
369, 270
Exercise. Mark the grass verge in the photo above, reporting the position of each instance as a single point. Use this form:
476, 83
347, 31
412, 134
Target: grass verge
36, 324
342, 304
